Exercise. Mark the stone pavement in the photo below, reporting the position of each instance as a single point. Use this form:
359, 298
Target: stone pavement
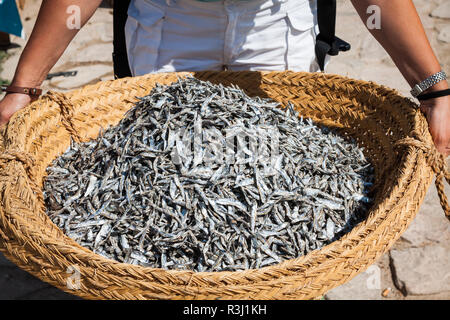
416, 267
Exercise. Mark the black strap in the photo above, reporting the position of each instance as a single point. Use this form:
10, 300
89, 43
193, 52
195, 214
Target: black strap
326, 41
432, 95
120, 57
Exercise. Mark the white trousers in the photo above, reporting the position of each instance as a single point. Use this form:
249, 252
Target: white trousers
190, 35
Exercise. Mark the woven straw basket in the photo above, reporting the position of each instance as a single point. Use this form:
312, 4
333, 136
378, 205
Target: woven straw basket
394, 134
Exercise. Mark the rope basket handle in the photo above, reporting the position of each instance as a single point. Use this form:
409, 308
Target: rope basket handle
436, 161
66, 110
28, 163
27, 160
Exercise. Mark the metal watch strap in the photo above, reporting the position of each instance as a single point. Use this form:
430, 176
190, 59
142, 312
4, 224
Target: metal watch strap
29, 91
428, 83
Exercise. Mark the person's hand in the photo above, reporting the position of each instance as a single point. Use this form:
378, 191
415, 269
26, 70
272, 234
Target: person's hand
10, 104
437, 112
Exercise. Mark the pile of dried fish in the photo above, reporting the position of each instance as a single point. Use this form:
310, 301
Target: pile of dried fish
202, 177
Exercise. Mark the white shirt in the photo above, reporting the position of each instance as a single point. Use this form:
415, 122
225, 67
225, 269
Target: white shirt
190, 35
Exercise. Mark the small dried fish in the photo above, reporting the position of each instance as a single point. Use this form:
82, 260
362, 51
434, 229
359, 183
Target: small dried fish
202, 177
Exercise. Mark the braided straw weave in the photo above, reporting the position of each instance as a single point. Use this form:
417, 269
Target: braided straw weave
395, 136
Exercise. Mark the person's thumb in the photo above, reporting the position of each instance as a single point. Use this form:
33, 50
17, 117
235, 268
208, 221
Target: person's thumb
10, 104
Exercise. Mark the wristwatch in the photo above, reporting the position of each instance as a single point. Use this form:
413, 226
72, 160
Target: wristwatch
428, 83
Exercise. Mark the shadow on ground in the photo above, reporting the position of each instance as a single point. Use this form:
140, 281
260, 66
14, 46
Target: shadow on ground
17, 284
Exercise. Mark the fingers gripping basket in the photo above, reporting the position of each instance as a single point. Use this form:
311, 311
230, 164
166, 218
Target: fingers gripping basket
394, 134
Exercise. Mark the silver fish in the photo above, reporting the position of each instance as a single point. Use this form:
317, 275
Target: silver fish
202, 177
